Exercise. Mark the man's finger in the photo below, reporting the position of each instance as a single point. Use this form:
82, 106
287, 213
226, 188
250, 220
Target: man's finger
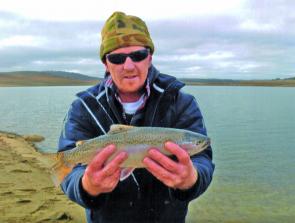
113, 180
103, 155
107, 183
163, 160
182, 156
114, 164
158, 171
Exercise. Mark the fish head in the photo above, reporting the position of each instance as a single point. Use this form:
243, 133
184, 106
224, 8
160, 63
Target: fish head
194, 143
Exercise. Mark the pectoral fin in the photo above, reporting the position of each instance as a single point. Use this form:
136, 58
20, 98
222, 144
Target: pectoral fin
125, 173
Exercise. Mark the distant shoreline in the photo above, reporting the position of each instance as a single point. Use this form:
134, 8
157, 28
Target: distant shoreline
271, 83
49, 85
62, 78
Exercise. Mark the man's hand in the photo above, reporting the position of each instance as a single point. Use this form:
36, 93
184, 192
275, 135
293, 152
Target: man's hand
178, 175
100, 177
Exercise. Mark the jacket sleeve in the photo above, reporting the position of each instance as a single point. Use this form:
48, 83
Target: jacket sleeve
188, 116
77, 126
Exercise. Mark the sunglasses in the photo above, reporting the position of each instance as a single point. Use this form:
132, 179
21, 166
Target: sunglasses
120, 58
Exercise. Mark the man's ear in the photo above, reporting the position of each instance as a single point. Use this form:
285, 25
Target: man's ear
150, 60
106, 66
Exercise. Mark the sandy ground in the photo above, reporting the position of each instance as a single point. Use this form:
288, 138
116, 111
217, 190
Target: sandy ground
26, 190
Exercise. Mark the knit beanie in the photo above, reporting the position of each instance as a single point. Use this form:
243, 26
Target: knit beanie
121, 30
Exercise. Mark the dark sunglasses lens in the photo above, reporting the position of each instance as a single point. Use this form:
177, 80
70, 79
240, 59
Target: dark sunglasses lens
139, 55
117, 58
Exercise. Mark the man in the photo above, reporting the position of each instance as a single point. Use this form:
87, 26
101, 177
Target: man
134, 93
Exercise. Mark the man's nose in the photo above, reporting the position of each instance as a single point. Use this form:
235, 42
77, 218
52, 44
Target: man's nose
129, 64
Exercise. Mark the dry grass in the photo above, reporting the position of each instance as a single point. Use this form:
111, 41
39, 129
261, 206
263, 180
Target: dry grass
14, 80
37, 80
266, 83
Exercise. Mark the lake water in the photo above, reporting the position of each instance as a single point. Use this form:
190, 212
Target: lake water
253, 138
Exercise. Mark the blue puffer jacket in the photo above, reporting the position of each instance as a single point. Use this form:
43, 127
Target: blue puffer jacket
141, 197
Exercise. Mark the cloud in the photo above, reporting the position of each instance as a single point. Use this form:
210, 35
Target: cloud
256, 43
43, 45
89, 10
21, 40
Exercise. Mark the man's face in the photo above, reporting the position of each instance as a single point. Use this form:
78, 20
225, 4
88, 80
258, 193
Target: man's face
130, 76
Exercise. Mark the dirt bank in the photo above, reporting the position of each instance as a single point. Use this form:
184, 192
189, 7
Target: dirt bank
26, 190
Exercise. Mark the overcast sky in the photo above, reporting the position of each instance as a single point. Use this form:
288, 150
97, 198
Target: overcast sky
234, 39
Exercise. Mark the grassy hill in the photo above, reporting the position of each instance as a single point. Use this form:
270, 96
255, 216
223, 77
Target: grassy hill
62, 78
289, 82
45, 78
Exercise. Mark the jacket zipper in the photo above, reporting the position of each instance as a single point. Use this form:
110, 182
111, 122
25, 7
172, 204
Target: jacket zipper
158, 101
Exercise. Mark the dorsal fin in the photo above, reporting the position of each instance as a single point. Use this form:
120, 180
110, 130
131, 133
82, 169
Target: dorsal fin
116, 128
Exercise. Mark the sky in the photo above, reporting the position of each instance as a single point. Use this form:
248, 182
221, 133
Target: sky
233, 39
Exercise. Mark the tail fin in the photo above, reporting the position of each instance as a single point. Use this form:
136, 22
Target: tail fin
60, 170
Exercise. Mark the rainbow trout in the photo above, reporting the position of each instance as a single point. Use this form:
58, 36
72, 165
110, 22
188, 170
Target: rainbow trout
136, 141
